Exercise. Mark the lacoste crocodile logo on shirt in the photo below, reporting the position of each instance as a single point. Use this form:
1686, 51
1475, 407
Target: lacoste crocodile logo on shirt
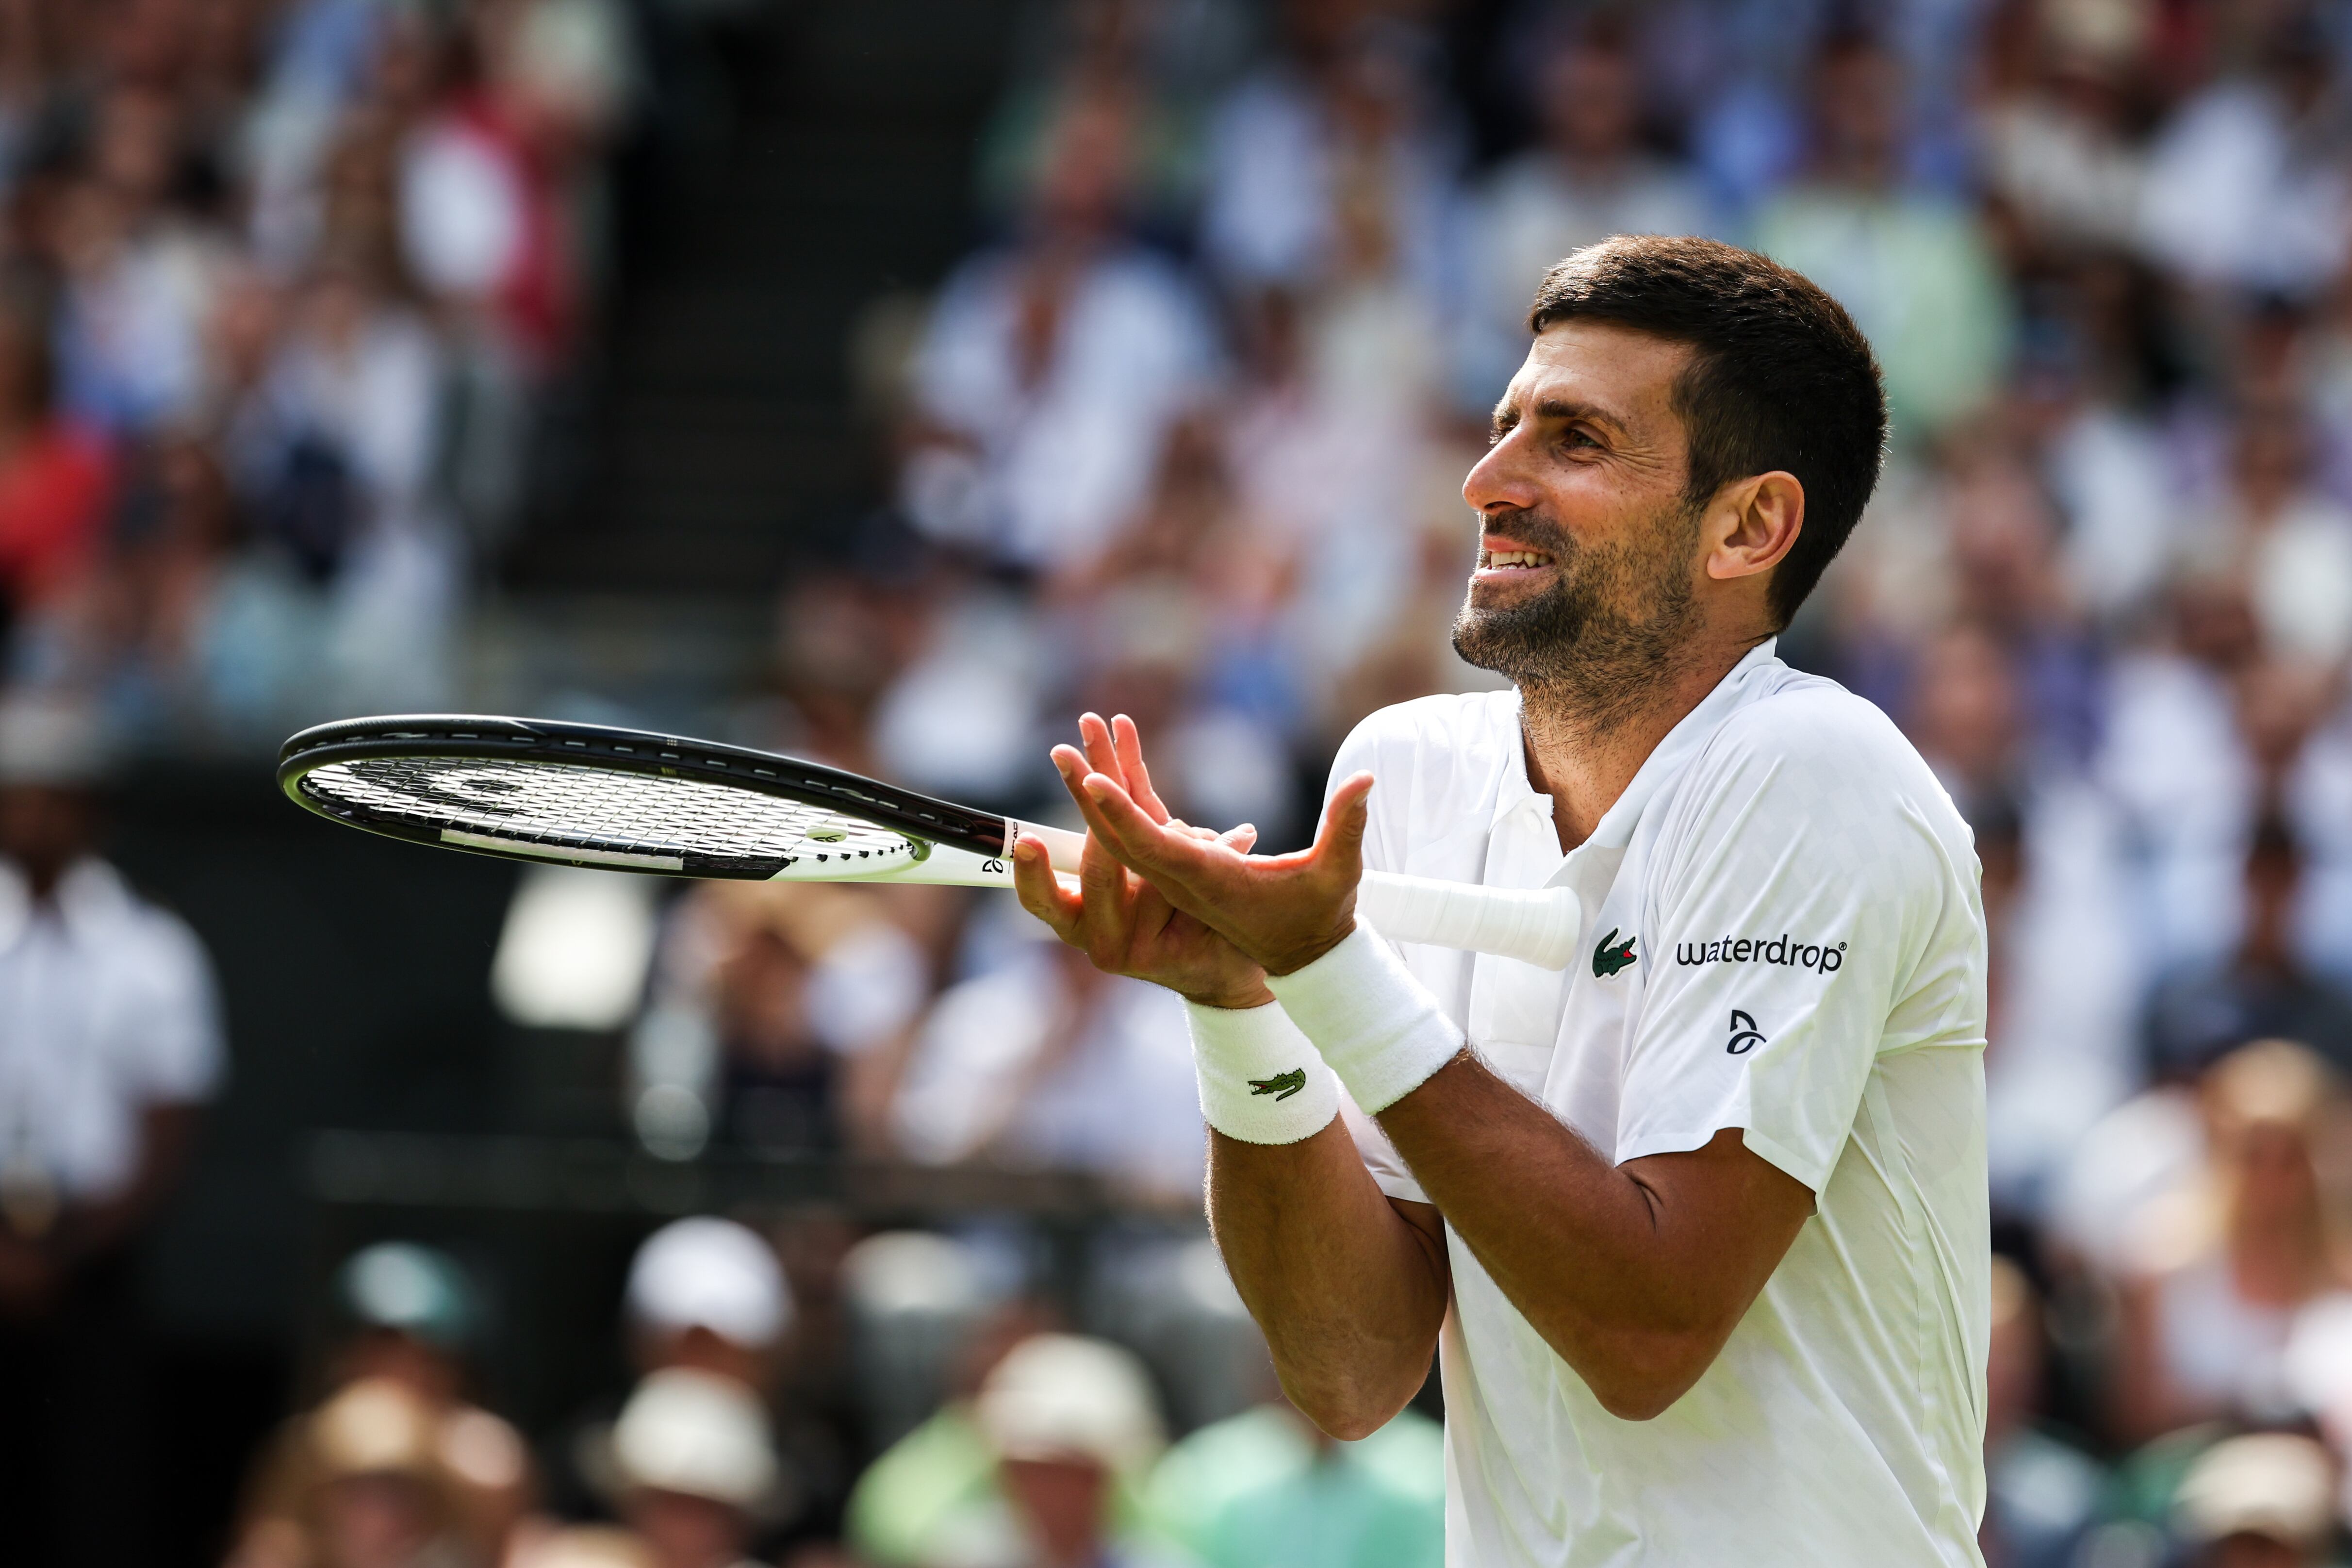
1612, 955
1282, 1085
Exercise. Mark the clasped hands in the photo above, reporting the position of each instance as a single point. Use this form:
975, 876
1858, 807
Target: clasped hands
1185, 907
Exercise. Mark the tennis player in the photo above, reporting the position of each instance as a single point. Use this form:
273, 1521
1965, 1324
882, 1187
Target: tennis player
1697, 1228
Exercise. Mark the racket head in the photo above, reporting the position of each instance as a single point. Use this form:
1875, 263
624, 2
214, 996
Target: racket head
617, 799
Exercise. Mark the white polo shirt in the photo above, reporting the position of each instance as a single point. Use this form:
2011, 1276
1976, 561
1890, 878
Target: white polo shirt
1783, 934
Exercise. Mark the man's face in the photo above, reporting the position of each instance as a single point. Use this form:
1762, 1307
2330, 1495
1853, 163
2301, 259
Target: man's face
1588, 553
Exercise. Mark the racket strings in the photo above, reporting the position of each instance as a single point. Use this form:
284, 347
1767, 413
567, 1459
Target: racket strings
561, 805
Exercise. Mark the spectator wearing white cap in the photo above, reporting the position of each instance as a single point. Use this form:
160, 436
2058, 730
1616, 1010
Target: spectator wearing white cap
693, 1470
708, 1293
2263, 1501
109, 1038
1074, 1426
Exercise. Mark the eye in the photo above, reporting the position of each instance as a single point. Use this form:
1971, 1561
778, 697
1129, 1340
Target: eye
1574, 438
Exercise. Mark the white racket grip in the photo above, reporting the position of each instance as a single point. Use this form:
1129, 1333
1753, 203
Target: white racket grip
1062, 846
1536, 925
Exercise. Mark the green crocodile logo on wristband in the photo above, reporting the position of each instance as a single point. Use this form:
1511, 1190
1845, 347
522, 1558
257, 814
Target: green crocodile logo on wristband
1282, 1085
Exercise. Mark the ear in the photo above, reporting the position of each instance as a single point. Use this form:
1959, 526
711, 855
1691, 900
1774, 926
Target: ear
1754, 524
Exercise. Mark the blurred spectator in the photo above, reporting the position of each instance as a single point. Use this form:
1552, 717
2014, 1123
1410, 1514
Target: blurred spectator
1070, 1424
412, 1316
691, 1470
1051, 368
2262, 990
2220, 1273
55, 475
2060, 148
1588, 177
708, 1293
1911, 266
109, 1041
2042, 1492
2290, 546
2263, 1501
1337, 129
927, 1330
1045, 1062
374, 1491
139, 267
1266, 1489
2245, 180
760, 993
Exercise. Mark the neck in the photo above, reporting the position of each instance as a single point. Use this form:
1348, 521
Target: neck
1588, 733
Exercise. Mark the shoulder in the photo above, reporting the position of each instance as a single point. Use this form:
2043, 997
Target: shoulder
1813, 764
1470, 733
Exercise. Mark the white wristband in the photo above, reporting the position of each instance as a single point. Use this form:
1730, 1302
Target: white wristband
1380, 1031
1260, 1080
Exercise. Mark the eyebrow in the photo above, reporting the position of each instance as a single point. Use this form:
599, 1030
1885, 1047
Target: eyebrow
1505, 418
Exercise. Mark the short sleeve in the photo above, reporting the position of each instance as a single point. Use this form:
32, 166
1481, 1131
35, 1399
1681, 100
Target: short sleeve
1780, 926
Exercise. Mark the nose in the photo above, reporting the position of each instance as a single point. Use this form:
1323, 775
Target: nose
1502, 481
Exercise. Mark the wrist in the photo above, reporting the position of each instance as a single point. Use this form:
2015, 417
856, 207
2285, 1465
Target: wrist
1292, 960
1260, 1079
1238, 997
1383, 1033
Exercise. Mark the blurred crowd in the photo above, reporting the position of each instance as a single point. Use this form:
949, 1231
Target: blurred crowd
285, 288
282, 285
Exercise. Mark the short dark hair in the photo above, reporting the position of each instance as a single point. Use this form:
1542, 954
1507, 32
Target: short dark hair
1780, 376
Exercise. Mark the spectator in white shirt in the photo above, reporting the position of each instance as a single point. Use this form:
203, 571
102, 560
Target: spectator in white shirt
1041, 1061
1051, 368
109, 1038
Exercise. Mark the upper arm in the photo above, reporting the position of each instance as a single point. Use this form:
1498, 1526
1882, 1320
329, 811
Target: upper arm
1428, 1229
1725, 1217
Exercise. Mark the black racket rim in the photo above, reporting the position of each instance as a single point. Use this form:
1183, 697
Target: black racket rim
922, 817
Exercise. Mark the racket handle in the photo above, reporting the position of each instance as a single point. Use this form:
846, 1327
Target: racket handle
1536, 925
1063, 847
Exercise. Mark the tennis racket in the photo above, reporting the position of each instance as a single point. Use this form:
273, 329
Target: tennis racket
628, 799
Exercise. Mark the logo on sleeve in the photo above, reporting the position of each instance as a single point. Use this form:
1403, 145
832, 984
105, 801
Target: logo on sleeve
1282, 1085
1612, 955
1745, 1036
1787, 951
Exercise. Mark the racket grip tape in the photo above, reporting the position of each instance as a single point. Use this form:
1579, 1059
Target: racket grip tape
1535, 925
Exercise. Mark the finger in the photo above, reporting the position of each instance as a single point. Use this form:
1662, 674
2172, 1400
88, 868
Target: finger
1242, 839
1104, 755
1186, 872
1128, 741
1042, 893
1106, 906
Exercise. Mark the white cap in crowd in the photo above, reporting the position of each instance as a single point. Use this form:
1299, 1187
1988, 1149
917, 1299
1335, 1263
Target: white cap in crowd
699, 1434
714, 1274
51, 739
1059, 1396
2272, 1484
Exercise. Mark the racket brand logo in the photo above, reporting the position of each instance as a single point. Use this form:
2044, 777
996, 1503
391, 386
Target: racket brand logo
1613, 955
1820, 957
1282, 1085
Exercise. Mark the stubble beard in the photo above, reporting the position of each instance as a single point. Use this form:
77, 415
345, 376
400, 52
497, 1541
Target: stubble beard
1602, 640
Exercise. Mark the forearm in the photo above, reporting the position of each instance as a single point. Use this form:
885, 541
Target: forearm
1579, 1247
1348, 1293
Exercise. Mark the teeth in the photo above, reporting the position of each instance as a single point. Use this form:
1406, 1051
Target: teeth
1517, 558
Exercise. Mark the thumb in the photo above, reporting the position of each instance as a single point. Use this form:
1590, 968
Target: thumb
1339, 840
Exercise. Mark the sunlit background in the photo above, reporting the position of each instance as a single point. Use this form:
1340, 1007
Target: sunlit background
886, 381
